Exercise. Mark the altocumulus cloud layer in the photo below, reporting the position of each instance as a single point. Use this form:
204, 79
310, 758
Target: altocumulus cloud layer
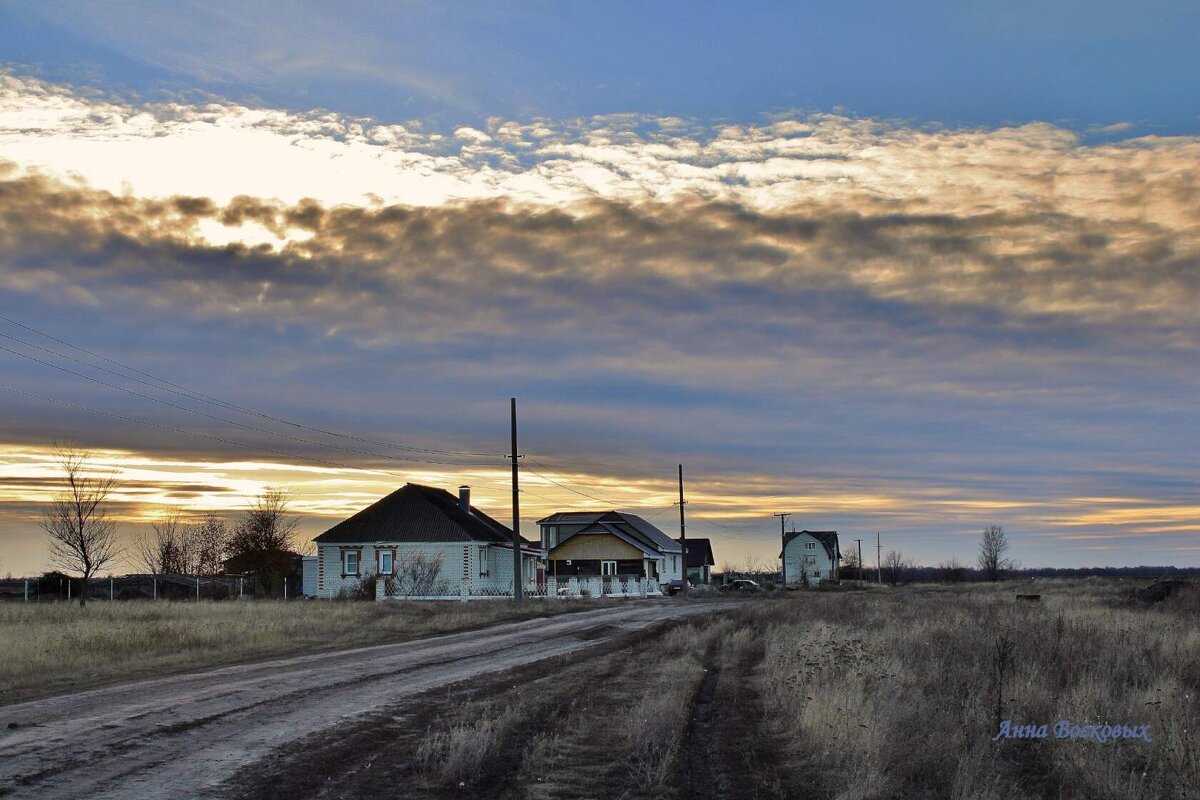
895, 327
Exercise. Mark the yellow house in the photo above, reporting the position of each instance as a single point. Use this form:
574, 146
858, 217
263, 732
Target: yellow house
609, 544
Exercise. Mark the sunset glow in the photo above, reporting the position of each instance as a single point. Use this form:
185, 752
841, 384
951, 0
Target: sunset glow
214, 251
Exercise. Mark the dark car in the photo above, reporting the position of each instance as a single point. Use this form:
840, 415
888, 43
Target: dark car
741, 585
676, 586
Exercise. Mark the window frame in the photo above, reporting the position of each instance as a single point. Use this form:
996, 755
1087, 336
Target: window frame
391, 566
346, 555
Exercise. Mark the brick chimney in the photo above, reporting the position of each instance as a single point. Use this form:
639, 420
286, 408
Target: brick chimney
464, 498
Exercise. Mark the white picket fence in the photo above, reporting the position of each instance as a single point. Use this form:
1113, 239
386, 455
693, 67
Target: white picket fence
553, 588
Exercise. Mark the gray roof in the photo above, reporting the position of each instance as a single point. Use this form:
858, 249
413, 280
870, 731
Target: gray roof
415, 513
630, 525
828, 540
573, 517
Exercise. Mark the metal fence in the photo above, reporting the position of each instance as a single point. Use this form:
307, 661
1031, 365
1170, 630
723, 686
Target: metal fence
552, 588
55, 587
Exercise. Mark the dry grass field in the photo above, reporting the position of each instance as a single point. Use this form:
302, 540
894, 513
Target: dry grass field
875, 694
52, 647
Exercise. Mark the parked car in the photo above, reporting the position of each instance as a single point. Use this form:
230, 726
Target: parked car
741, 585
676, 586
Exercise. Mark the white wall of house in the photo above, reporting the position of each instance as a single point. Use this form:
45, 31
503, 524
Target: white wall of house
464, 564
805, 556
671, 568
309, 584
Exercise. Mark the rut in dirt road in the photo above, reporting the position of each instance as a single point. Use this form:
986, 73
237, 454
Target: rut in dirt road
702, 760
183, 736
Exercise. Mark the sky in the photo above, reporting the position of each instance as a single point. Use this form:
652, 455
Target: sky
907, 268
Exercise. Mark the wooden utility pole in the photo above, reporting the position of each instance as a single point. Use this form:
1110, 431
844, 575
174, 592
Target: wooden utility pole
859, 576
516, 508
783, 544
682, 537
878, 550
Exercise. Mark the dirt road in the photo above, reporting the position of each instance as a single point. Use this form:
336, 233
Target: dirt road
183, 736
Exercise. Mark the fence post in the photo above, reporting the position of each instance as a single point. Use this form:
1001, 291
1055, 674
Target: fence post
154, 585
27, 590
197, 588
285, 577
241, 587
68, 590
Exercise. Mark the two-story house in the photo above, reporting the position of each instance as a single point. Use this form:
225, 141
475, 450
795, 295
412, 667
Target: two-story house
810, 556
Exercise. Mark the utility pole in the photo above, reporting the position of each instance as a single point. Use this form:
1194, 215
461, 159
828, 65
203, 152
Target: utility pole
859, 576
878, 550
783, 544
682, 537
516, 506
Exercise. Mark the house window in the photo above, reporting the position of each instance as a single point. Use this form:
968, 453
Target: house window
385, 562
551, 538
810, 545
810, 559
350, 562
483, 562
608, 568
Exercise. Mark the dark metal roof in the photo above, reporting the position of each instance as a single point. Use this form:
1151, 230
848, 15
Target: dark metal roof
658, 538
415, 513
573, 517
699, 553
828, 540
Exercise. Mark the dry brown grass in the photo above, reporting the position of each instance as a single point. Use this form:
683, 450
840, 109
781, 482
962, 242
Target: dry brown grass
59, 646
892, 694
610, 725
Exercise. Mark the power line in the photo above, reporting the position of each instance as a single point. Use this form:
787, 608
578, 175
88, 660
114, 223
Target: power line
712, 521
225, 420
659, 511
233, 442
162, 384
727, 532
588, 495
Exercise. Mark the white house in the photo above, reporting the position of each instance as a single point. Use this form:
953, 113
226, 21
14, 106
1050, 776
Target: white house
810, 557
423, 542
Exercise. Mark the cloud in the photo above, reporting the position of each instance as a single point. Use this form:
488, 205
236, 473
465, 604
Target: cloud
876, 324
494, 267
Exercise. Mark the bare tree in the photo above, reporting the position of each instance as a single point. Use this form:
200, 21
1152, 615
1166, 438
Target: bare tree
894, 566
993, 552
263, 535
952, 571
209, 541
754, 565
416, 575
82, 537
166, 549
850, 569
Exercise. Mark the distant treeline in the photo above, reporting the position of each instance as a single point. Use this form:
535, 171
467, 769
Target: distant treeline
956, 573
